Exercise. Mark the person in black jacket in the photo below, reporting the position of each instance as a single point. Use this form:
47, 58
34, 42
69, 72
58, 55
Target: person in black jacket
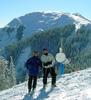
33, 65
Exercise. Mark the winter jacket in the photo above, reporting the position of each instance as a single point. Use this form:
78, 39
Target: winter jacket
47, 60
33, 64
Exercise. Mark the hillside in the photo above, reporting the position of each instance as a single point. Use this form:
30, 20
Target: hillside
28, 24
35, 31
73, 86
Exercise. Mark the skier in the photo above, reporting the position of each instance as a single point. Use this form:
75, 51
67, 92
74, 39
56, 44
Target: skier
48, 62
33, 65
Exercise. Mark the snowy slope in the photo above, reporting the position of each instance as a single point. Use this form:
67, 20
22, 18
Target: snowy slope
74, 86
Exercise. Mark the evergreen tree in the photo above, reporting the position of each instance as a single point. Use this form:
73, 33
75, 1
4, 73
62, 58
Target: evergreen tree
12, 72
7, 74
4, 82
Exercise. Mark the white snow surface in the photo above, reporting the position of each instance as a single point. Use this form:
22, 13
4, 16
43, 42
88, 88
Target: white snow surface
79, 21
74, 86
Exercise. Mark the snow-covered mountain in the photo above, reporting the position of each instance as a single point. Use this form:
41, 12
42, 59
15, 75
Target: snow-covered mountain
25, 26
74, 86
39, 21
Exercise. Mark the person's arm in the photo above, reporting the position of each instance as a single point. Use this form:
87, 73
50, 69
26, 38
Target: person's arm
28, 62
43, 60
40, 63
47, 63
53, 60
26, 67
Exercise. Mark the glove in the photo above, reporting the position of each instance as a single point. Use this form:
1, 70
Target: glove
47, 63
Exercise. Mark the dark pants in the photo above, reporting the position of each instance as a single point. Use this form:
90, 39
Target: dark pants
46, 71
32, 82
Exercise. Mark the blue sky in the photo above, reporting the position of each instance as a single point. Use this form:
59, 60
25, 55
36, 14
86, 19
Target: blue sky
10, 9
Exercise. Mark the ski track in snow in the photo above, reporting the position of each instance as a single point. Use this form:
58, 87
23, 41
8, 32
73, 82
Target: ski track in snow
74, 86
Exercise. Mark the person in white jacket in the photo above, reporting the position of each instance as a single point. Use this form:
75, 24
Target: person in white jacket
48, 62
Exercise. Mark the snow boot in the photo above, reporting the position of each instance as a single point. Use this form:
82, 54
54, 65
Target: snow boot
53, 85
44, 87
32, 92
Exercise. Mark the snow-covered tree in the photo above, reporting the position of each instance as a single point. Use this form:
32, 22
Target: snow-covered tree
4, 83
12, 72
7, 73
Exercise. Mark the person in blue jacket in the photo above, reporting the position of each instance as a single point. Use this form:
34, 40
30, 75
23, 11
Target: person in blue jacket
33, 65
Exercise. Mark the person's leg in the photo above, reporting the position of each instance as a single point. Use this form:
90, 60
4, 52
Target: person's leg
34, 82
30, 83
45, 75
53, 75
